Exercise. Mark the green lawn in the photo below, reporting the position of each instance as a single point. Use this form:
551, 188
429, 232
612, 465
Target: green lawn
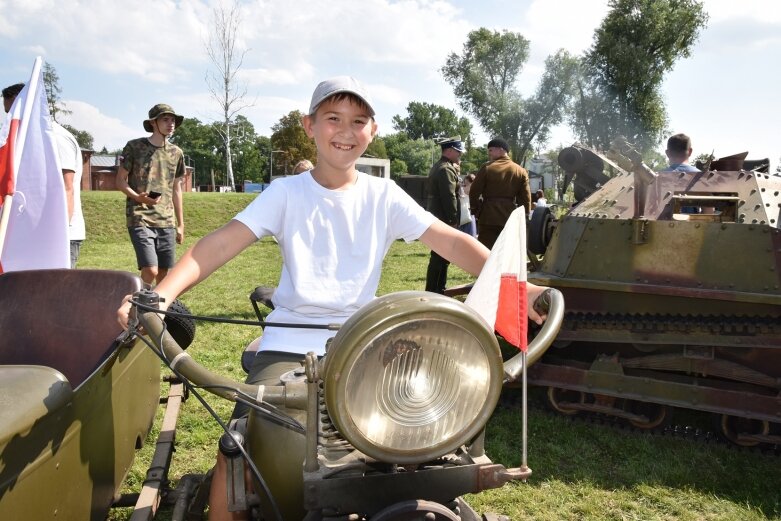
581, 471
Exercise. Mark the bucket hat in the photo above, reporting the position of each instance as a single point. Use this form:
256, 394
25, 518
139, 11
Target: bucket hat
157, 111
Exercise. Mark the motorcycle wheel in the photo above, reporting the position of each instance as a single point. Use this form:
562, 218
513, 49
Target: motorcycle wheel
182, 329
415, 510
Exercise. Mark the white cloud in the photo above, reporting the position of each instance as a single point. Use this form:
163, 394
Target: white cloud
118, 58
153, 39
551, 25
759, 10
106, 130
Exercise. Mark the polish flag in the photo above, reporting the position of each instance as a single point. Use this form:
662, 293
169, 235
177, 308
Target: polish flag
499, 294
34, 221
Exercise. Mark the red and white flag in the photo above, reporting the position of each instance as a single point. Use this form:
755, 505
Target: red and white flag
34, 222
499, 294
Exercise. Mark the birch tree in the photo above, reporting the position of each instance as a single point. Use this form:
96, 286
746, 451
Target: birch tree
222, 80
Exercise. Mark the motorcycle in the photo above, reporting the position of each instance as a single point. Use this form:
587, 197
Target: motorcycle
389, 425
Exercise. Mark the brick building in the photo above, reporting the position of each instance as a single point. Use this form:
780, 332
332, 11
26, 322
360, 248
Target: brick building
103, 168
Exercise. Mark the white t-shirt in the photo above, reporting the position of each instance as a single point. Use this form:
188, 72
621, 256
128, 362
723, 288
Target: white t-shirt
333, 243
70, 159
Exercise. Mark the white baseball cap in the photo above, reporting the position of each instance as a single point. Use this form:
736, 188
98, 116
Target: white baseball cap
338, 85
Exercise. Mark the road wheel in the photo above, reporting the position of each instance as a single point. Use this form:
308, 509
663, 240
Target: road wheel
732, 427
558, 399
658, 415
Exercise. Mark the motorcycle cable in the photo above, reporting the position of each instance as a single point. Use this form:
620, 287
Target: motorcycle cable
193, 389
267, 410
221, 320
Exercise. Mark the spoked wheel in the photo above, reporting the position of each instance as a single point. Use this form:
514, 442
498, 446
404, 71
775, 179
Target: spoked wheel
419, 510
558, 400
657, 415
733, 428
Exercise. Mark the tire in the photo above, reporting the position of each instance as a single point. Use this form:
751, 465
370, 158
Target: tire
182, 329
539, 230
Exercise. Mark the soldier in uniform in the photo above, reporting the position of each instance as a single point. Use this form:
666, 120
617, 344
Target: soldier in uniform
499, 187
443, 186
150, 174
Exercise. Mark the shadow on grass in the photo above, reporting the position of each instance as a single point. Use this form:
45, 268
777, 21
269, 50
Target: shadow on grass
611, 458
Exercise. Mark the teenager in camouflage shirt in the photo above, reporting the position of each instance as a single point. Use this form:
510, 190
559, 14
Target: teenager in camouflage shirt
151, 172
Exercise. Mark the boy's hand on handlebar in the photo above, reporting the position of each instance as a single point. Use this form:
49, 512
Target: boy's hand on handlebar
123, 313
536, 313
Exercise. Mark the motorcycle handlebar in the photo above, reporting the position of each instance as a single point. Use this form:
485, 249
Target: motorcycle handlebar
553, 301
182, 363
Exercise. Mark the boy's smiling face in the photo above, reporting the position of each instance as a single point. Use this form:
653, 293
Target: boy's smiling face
342, 131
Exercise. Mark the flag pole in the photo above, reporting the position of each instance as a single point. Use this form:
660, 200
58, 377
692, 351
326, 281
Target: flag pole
7, 200
524, 410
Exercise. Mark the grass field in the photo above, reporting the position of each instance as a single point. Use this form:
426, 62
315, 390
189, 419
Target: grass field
581, 471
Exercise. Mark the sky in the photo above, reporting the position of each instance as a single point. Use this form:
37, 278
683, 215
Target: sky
116, 59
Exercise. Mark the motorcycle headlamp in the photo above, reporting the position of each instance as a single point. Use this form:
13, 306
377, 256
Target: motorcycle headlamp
412, 376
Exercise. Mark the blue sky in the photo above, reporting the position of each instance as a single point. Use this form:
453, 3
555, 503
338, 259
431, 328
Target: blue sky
116, 59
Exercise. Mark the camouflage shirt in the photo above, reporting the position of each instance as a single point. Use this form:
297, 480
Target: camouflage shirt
152, 169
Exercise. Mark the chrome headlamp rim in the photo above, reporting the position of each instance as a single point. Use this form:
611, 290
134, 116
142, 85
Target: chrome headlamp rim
380, 316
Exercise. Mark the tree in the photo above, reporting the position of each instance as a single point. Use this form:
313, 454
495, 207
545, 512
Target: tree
83, 138
484, 79
428, 121
398, 168
289, 137
222, 84
51, 83
550, 103
200, 143
377, 148
637, 43
484, 76
473, 159
415, 155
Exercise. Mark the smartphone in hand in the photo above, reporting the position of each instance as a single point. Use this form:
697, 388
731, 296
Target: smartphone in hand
154, 195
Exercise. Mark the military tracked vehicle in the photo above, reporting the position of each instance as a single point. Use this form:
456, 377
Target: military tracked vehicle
673, 289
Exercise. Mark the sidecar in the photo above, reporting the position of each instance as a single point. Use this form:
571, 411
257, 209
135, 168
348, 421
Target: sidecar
75, 400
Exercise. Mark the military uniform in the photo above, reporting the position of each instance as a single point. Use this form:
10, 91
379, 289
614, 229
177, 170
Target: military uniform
151, 168
499, 188
443, 183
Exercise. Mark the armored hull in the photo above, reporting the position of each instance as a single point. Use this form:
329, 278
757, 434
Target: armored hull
668, 308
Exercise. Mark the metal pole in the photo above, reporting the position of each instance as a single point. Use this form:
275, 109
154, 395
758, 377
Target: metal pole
524, 410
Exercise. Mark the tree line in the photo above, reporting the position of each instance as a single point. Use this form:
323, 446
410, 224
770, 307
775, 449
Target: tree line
613, 89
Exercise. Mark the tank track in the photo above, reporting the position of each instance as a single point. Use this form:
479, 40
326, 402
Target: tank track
722, 325
512, 401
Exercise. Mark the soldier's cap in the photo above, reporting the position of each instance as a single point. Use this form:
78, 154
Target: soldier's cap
498, 142
340, 85
157, 111
452, 142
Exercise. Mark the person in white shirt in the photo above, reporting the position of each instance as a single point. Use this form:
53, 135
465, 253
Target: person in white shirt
334, 226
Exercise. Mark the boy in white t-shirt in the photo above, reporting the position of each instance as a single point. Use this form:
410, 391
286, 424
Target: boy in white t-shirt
334, 226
